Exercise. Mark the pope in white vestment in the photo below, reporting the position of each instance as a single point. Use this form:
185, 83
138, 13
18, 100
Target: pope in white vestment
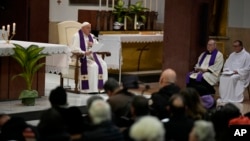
96, 72
236, 75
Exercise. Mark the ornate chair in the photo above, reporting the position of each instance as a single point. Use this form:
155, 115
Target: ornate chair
66, 30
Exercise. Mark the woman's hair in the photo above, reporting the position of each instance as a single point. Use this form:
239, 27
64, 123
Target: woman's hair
195, 108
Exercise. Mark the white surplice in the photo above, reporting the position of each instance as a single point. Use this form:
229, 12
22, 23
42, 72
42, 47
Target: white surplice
91, 64
232, 86
211, 78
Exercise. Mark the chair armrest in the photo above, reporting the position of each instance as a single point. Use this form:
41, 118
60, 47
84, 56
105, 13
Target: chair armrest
104, 54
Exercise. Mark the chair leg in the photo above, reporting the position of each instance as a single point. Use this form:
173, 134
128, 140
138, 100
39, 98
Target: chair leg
61, 80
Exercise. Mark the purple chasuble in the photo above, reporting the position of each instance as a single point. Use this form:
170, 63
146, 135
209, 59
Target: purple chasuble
84, 69
211, 62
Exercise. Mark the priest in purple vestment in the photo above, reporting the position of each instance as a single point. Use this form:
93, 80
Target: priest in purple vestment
207, 70
93, 70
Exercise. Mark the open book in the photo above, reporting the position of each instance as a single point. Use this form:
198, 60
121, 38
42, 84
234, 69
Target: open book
96, 47
227, 72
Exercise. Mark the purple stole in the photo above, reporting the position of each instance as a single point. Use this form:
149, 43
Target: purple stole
211, 62
84, 68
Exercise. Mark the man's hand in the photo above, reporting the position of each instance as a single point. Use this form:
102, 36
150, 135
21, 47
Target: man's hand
235, 72
87, 53
90, 44
201, 70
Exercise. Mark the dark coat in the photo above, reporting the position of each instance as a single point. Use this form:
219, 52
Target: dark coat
178, 128
105, 131
160, 100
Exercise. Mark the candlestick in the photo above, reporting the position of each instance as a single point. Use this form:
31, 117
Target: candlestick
3, 28
156, 5
113, 4
7, 36
150, 5
14, 28
107, 5
100, 5
8, 30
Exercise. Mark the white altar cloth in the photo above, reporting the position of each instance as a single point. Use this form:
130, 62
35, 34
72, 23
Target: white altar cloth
56, 62
113, 44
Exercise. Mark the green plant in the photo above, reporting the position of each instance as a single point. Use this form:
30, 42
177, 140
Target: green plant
28, 59
121, 12
138, 9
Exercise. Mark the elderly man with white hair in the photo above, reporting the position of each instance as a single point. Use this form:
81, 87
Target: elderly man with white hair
147, 128
103, 129
93, 68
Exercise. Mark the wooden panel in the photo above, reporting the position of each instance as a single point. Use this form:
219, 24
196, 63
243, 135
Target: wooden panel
39, 20
4, 80
182, 33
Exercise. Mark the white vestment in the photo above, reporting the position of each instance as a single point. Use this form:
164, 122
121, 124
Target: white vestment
91, 64
232, 86
211, 78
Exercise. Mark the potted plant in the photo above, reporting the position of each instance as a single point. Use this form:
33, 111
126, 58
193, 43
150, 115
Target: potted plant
137, 9
28, 59
121, 14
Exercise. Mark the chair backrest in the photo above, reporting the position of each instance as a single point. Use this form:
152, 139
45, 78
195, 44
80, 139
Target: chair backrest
66, 30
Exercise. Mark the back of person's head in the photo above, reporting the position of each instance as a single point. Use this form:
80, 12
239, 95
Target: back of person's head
195, 108
99, 112
13, 129
140, 106
223, 114
177, 105
58, 97
92, 99
147, 128
202, 131
168, 76
50, 123
111, 85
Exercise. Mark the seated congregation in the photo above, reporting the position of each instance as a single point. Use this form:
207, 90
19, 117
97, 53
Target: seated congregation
170, 114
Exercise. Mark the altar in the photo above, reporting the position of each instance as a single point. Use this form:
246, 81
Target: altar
133, 52
56, 62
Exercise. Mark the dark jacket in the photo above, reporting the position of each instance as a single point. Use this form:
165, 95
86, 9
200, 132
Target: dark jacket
160, 100
178, 128
120, 104
105, 131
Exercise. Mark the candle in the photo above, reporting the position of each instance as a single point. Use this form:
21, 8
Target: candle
145, 3
8, 30
100, 5
107, 5
150, 5
156, 5
14, 28
3, 28
113, 4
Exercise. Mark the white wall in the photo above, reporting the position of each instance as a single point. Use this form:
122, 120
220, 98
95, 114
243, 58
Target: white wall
64, 11
239, 13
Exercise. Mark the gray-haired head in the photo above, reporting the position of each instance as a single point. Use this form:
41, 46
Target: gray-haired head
99, 112
92, 99
203, 130
147, 128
